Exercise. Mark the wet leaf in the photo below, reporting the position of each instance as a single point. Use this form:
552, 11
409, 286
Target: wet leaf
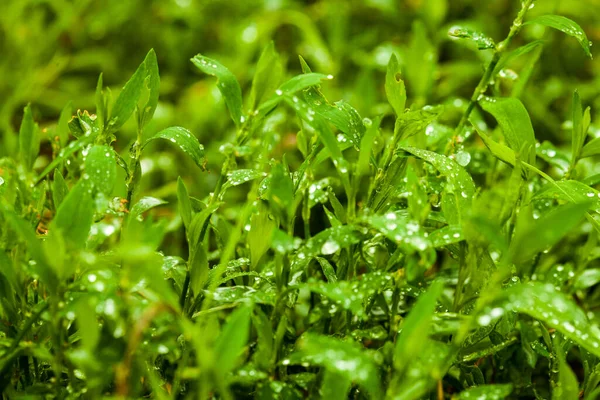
74, 216
227, 84
394, 86
184, 139
101, 168
566, 26
127, 100
516, 126
345, 359
486, 392
482, 41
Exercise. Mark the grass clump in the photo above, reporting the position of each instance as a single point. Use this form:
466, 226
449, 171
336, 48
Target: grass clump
434, 249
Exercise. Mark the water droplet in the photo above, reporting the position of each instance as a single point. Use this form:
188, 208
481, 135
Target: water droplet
330, 247
278, 92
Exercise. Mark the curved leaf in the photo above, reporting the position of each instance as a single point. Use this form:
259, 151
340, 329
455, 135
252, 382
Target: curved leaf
186, 142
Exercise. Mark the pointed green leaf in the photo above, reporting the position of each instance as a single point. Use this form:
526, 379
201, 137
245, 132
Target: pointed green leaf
578, 135
59, 189
416, 326
29, 140
186, 142
127, 100
232, 340
267, 76
152, 84
566, 26
227, 84
183, 201
394, 86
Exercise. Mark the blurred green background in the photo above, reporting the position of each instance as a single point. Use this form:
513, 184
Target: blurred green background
52, 51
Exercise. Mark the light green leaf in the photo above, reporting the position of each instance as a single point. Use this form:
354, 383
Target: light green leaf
482, 41
127, 100
261, 232
300, 82
267, 76
394, 86
571, 191
545, 303
183, 201
546, 231
486, 392
445, 236
515, 123
567, 387
232, 340
152, 84
29, 140
416, 326
101, 168
227, 84
343, 358
498, 150
566, 26
62, 127
578, 135
144, 204
75, 215
59, 189
186, 142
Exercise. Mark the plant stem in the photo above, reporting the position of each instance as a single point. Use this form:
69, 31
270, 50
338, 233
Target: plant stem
488, 75
133, 175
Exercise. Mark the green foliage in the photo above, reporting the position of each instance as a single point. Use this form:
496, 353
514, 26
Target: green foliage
425, 225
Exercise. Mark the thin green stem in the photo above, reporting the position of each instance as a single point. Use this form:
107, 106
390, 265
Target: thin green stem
488, 75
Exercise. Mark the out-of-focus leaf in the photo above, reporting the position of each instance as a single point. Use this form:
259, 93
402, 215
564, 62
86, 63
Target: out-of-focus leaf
515, 123
101, 168
394, 86
547, 231
415, 327
566, 26
59, 189
232, 340
227, 84
345, 359
261, 231
486, 392
267, 76
183, 201
186, 142
75, 214
578, 135
567, 386
29, 140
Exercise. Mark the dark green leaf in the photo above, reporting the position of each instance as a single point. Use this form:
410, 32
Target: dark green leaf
128, 99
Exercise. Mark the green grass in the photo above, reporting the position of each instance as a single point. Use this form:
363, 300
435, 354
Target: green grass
439, 243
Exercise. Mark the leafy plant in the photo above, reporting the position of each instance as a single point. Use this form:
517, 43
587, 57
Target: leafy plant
434, 250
